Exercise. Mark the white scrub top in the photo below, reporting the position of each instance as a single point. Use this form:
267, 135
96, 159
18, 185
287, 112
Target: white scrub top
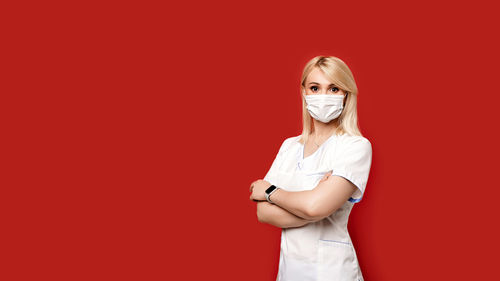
321, 250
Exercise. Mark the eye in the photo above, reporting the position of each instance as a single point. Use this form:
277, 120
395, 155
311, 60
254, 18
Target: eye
313, 88
335, 89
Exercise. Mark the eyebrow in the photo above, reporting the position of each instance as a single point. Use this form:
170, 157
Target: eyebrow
320, 84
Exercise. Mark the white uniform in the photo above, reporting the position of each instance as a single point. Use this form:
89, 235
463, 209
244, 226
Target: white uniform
321, 250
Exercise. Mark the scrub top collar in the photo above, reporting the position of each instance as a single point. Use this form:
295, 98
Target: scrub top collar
315, 152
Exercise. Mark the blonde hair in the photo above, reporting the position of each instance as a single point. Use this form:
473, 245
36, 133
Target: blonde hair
339, 74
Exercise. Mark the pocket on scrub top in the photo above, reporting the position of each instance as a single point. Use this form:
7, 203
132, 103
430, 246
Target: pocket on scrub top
299, 180
312, 179
336, 261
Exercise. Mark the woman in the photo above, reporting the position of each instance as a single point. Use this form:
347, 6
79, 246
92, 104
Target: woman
317, 177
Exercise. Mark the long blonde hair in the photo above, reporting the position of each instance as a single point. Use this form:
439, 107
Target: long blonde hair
338, 73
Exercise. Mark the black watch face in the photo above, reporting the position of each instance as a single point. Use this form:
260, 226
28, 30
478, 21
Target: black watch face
270, 189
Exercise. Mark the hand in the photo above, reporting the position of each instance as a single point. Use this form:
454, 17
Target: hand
258, 189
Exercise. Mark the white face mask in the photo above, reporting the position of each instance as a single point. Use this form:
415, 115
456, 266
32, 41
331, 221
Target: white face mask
324, 107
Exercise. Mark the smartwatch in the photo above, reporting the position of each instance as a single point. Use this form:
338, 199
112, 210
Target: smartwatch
270, 190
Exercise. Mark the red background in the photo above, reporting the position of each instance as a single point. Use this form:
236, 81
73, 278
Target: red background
132, 131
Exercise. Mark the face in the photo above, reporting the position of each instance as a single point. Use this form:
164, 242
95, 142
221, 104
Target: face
317, 83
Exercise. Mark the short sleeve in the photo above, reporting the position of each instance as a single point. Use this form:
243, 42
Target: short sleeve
354, 164
272, 173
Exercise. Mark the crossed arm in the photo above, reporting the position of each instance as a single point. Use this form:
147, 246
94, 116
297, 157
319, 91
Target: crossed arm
295, 209
275, 215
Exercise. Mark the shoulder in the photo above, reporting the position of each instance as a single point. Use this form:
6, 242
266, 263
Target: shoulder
288, 142
355, 143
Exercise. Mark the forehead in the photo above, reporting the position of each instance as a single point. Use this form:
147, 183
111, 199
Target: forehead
316, 75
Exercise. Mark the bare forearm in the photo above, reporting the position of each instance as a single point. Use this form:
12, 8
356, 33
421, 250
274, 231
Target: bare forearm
316, 204
279, 217
298, 203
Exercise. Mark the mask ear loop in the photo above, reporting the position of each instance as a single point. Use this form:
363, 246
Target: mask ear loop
303, 93
343, 106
